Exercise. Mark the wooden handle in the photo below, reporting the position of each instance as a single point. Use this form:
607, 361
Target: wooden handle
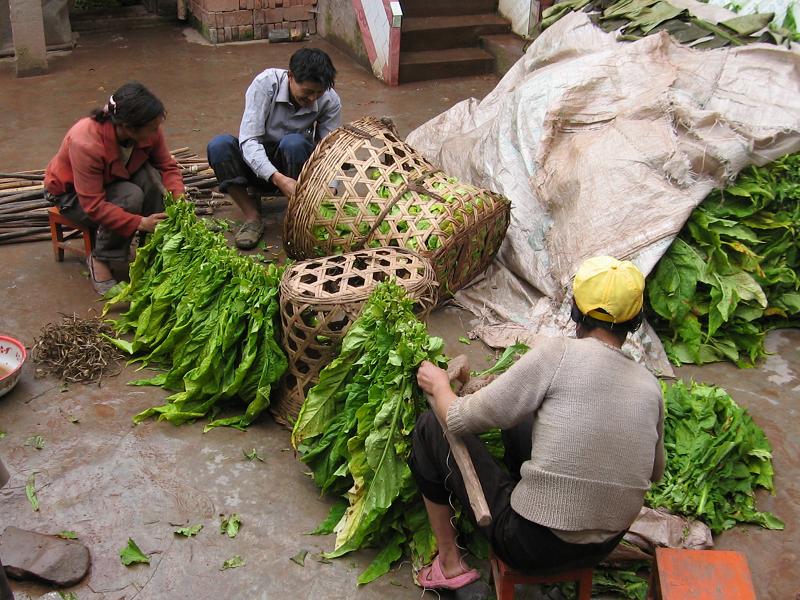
458, 371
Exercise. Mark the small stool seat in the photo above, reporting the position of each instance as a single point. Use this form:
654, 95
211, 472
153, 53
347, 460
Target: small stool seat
57, 224
505, 578
700, 575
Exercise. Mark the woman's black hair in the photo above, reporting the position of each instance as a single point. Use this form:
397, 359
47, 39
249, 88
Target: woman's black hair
623, 328
312, 64
132, 105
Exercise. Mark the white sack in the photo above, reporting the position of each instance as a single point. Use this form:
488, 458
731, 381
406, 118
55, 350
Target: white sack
605, 147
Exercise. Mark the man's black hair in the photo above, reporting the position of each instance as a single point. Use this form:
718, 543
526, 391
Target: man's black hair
312, 64
623, 328
132, 105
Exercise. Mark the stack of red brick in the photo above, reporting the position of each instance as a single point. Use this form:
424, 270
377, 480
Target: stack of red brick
240, 20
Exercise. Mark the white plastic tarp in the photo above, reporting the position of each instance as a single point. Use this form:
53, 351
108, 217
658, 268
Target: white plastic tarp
605, 147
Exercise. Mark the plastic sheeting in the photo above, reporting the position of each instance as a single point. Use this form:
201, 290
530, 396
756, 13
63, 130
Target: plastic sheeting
606, 147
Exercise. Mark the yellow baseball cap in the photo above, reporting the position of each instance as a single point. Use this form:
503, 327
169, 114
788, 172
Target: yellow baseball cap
608, 289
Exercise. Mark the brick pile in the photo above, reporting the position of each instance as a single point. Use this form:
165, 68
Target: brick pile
241, 20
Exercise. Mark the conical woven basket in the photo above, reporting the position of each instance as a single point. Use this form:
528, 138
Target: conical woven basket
365, 187
320, 298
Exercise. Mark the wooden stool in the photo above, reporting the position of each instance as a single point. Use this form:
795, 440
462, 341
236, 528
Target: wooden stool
701, 575
505, 578
57, 224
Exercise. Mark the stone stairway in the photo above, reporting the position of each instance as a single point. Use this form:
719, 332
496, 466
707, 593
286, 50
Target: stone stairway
443, 38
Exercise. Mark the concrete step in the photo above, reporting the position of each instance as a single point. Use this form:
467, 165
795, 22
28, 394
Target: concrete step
440, 64
507, 49
115, 19
452, 31
432, 8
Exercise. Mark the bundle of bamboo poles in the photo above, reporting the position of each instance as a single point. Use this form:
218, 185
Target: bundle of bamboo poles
23, 207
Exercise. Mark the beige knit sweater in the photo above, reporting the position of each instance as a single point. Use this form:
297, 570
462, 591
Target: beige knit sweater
597, 434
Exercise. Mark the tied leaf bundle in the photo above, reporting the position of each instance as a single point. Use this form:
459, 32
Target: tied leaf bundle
716, 458
354, 430
206, 315
732, 273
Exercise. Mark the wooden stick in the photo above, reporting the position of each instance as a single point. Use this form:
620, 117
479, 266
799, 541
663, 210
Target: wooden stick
27, 176
458, 370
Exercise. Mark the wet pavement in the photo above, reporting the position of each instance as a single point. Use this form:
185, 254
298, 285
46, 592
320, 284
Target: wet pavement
108, 481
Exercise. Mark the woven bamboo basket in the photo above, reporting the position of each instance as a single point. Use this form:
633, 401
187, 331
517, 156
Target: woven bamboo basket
320, 298
364, 187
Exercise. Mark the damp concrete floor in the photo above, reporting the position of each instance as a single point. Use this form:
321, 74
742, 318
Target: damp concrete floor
107, 480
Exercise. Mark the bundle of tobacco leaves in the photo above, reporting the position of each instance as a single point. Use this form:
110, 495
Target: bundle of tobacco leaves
732, 273
354, 431
716, 459
77, 350
206, 316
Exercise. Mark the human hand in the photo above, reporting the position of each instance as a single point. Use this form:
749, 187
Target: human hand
149, 222
285, 184
432, 379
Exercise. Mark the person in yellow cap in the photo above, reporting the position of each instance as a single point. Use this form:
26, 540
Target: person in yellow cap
582, 427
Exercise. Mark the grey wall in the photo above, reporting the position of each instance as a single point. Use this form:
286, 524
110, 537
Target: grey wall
337, 23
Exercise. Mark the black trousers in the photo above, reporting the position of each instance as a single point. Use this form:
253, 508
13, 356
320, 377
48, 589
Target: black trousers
5, 588
522, 544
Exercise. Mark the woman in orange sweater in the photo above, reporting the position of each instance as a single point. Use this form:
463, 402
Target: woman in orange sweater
111, 173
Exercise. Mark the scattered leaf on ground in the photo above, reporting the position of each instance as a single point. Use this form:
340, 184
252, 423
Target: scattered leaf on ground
464, 340
233, 562
73, 419
189, 531
131, 554
30, 491
252, 455
64, 387
67, 535
230, 525
36, 441
68, 595
300, 558
321, 559
2, 434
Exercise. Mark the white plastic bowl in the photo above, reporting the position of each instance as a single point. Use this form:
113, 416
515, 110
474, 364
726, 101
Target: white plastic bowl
12, 357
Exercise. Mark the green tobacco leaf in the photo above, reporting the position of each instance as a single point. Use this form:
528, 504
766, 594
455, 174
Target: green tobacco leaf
131, 554
68, 595
300, 558
464, 340
252, 455
2, 434
382, 563
35, 441
230, 525
30, 492
233, 562
189, 531
334, 516
507, 358
67, 535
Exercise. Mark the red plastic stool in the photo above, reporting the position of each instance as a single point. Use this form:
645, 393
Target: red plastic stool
701, 575
59, 240
505, 578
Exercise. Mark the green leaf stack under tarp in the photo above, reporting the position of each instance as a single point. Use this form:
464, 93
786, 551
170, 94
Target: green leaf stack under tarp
354, 431
204, 314
732, 273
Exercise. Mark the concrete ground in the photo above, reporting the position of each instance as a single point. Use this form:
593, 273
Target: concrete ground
109, 481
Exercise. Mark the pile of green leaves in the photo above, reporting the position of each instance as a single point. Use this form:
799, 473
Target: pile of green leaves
206, 316
635, 19
732, 273
716, 459
354, 431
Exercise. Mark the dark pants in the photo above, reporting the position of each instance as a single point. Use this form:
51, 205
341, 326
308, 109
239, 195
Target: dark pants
225, 157
5, 588
142, 195
520, 543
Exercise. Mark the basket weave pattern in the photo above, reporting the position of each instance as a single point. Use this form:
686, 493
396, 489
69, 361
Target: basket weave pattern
364, 187
320, 298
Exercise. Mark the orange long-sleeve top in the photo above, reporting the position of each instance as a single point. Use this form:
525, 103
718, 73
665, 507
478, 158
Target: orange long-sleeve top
88, 160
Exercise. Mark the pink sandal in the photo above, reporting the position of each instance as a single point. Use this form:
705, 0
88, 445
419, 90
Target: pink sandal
432, 577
